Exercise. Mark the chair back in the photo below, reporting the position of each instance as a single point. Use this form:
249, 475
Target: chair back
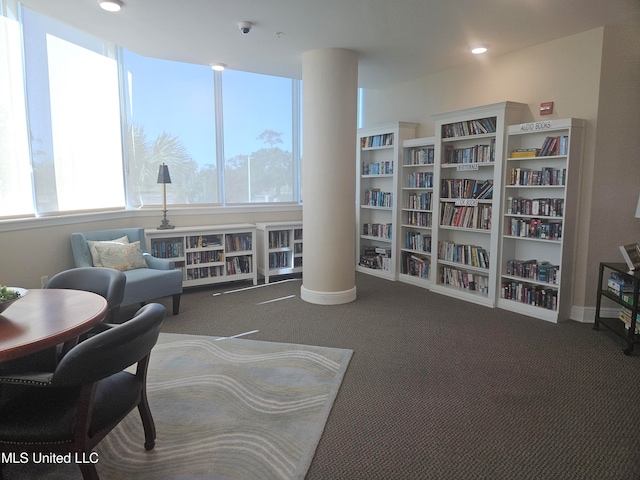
112, 350
106, 282
80, 249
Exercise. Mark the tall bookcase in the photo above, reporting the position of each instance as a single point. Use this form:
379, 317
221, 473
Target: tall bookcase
469, 152
279, 248
379, 155
208, 254
416, 211
541, 176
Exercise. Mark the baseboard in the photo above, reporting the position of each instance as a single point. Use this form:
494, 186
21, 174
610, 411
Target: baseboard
328, 298
588, 314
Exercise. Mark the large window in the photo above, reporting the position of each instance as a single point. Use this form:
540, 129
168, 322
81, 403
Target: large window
74, 117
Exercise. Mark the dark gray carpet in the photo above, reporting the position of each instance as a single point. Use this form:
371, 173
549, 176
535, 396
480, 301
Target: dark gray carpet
443, 389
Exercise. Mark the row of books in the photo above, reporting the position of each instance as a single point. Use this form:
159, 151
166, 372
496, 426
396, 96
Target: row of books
420, 180
524, 153
204, 272
465, 280
279, 260
471, 255
541, 271
421, 156
415, 265
385, 139
239, 264
625, 316
533, 228
478, 216
471, 127
475, 154
380, 168
466, 188
207, 256
376, 257
382, 230
297, 262
620, 287
545, 207
546, 176
418, 241
297, 248
167, 249
238, 242
297, 234
535, 295
279, 239
201, 241
555, 146
420, 201
375, 198
419, 219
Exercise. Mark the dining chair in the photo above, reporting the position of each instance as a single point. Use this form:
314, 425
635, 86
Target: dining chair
70, 410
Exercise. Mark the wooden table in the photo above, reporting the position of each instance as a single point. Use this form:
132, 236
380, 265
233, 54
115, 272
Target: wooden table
45, 318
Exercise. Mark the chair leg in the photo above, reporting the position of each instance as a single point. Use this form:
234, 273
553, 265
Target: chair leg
148, 424
89, 471
176, 304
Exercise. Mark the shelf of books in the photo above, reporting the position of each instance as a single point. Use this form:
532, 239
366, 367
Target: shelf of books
379, 155
541, 176
469, 150
279, 248
207, 255
416, 211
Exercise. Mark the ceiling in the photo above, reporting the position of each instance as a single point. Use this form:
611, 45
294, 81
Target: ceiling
396, 40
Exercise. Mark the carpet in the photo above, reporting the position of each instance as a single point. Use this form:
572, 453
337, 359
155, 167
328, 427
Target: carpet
224, 408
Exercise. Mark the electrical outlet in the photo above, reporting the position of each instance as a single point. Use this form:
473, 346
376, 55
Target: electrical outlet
43, 280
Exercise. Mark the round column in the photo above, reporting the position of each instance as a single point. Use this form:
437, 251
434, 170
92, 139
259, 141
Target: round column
330, 99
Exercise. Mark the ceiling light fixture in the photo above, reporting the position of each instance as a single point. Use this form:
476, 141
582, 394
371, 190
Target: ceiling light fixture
478, 49
218, 67
111, 5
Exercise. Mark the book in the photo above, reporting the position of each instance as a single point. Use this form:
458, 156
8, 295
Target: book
631, 254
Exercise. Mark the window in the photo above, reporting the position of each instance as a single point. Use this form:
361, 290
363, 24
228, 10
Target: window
74, 117
258, 138
170, 119
16, 194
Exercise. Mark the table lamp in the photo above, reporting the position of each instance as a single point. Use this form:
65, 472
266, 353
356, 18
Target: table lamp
164, 178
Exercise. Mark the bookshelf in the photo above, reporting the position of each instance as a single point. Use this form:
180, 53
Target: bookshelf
416, 211
279, 248
379, 155
208, 254
541, 177
469, 151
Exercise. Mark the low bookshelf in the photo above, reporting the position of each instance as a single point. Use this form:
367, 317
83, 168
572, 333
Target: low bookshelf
208, 254
279, 248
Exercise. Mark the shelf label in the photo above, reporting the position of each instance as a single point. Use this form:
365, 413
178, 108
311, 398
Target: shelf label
535, 126
466, 202
467, 166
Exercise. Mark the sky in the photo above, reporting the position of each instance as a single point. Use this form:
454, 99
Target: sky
178, 98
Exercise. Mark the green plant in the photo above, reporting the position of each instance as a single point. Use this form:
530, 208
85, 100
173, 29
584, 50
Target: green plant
7, 294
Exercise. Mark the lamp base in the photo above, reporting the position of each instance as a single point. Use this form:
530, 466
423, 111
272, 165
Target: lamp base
165, 225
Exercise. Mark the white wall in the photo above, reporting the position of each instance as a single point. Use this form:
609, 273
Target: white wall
593, 76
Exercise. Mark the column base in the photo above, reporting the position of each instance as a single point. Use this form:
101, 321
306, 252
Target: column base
328, 298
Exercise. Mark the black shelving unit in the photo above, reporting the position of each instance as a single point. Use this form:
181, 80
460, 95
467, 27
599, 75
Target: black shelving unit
614, 324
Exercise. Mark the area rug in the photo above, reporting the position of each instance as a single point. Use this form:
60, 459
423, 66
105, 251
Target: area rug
224, 409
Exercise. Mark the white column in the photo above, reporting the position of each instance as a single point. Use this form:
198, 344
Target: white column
330, 98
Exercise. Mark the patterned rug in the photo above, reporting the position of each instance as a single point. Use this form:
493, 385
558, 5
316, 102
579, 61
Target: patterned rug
224, 409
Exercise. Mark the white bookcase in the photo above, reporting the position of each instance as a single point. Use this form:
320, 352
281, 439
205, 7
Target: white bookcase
469, 152
416, 211
379, 156
279, 248
539, 217
208, 254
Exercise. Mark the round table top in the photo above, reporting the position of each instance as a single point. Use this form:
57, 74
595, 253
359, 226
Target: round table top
45, 318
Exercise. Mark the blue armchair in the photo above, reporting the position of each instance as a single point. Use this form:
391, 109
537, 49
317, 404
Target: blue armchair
159, 279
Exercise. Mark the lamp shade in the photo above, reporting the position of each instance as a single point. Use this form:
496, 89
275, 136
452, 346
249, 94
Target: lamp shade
163, 174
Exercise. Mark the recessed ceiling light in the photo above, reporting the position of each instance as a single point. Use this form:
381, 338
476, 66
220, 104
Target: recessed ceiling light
478, 49
218, 67
111, 5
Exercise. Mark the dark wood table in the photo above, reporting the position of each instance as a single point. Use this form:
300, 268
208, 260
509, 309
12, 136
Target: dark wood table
45, 318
